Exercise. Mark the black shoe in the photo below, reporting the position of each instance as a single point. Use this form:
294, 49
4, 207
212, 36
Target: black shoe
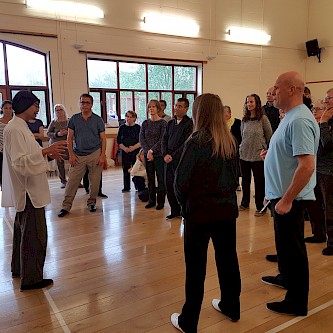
63, 185
15, 275
92, 208
274, 281
285, 308
314, 239
159, 206
272, 257
172, 216
62, 212
102, 195
38, 285
87, 190
150, 205
124, 190
328, 251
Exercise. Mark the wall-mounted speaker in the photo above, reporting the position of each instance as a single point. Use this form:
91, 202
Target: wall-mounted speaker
312, 48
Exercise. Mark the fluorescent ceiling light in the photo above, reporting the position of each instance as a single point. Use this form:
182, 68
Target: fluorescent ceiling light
66, 8
248, 36
171, 25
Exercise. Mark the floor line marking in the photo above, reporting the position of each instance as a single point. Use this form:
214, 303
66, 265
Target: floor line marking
298, 319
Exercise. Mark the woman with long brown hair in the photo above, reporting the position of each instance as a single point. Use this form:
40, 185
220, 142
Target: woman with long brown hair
205, 186
256, 132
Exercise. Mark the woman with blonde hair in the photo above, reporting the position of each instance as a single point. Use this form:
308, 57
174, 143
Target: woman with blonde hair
57, 131
205, 186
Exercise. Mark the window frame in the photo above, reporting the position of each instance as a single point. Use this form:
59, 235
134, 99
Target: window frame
146, 62
8, 88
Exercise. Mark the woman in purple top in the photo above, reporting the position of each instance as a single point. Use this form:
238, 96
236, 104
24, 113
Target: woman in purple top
151, 134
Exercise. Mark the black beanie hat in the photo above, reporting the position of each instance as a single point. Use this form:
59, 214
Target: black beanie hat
23, 100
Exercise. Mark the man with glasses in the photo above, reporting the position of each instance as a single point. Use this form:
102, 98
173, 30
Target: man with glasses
325, 168
177, 131
88, 131
26, 188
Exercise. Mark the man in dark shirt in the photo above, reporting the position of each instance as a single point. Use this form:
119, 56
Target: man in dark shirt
271, 111
88, 131
177, 131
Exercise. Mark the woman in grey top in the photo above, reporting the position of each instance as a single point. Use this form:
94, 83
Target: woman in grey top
256, 132
57, 131
151, 135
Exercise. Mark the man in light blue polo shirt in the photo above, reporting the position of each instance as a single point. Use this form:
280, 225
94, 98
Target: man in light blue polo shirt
88, 131
289, 180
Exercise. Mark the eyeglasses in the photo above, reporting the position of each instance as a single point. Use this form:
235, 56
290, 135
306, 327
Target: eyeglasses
85, 103
328, 97
317, 109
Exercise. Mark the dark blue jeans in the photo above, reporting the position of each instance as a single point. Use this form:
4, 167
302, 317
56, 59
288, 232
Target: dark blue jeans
291, 251
196, 240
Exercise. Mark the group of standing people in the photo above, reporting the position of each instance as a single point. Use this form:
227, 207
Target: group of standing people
197, 164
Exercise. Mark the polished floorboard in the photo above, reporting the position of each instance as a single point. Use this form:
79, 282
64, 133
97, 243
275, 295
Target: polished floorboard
121, 269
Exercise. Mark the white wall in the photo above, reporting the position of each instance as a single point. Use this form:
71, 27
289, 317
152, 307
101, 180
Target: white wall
237, 70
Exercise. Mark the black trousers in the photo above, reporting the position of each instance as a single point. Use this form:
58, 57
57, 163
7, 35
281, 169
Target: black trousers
196, 240
127, 161
29, 244
1, 162
316, 213
156, 166
326, 187
85, 181
257, 169
291, 251
170, 170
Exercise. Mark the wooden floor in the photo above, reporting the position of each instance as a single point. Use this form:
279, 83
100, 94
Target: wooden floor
121, 269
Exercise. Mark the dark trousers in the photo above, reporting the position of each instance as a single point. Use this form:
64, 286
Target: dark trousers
326, 187
170, 170
156, 166
29, 244
291, 251
85, 181
316, 213
257, 169
196, 240
127, 161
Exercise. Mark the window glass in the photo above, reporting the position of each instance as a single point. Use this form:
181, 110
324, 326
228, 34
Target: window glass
126, 103
140, 103
25, 68
190, 98
153, 95
111, 107
102, 74
42, 106
159, 77
2, 66
185, 78
97, 103
168, 98
132, 75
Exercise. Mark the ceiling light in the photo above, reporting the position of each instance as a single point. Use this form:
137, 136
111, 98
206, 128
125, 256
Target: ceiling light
66, 8
171, 25
248, 36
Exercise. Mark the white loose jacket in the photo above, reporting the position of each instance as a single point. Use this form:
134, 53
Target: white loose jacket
24, 168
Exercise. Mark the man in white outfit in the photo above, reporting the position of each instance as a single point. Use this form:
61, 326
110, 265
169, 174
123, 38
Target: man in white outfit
26, 188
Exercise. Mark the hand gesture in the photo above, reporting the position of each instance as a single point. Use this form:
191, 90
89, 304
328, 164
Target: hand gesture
56, 150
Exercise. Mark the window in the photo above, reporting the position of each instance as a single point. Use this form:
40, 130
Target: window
129, 85
22, 68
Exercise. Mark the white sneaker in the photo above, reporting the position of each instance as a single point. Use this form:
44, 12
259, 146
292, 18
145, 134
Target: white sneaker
174, 321
215, 303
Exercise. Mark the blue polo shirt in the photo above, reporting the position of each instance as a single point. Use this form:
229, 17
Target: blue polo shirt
297, 134
86, 133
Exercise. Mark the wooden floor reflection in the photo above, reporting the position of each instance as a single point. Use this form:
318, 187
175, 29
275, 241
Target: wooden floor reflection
121, 269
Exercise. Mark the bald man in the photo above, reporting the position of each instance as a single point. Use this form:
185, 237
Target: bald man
289, 182
271, 111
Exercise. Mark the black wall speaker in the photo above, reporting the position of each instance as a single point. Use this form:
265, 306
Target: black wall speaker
312, 47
